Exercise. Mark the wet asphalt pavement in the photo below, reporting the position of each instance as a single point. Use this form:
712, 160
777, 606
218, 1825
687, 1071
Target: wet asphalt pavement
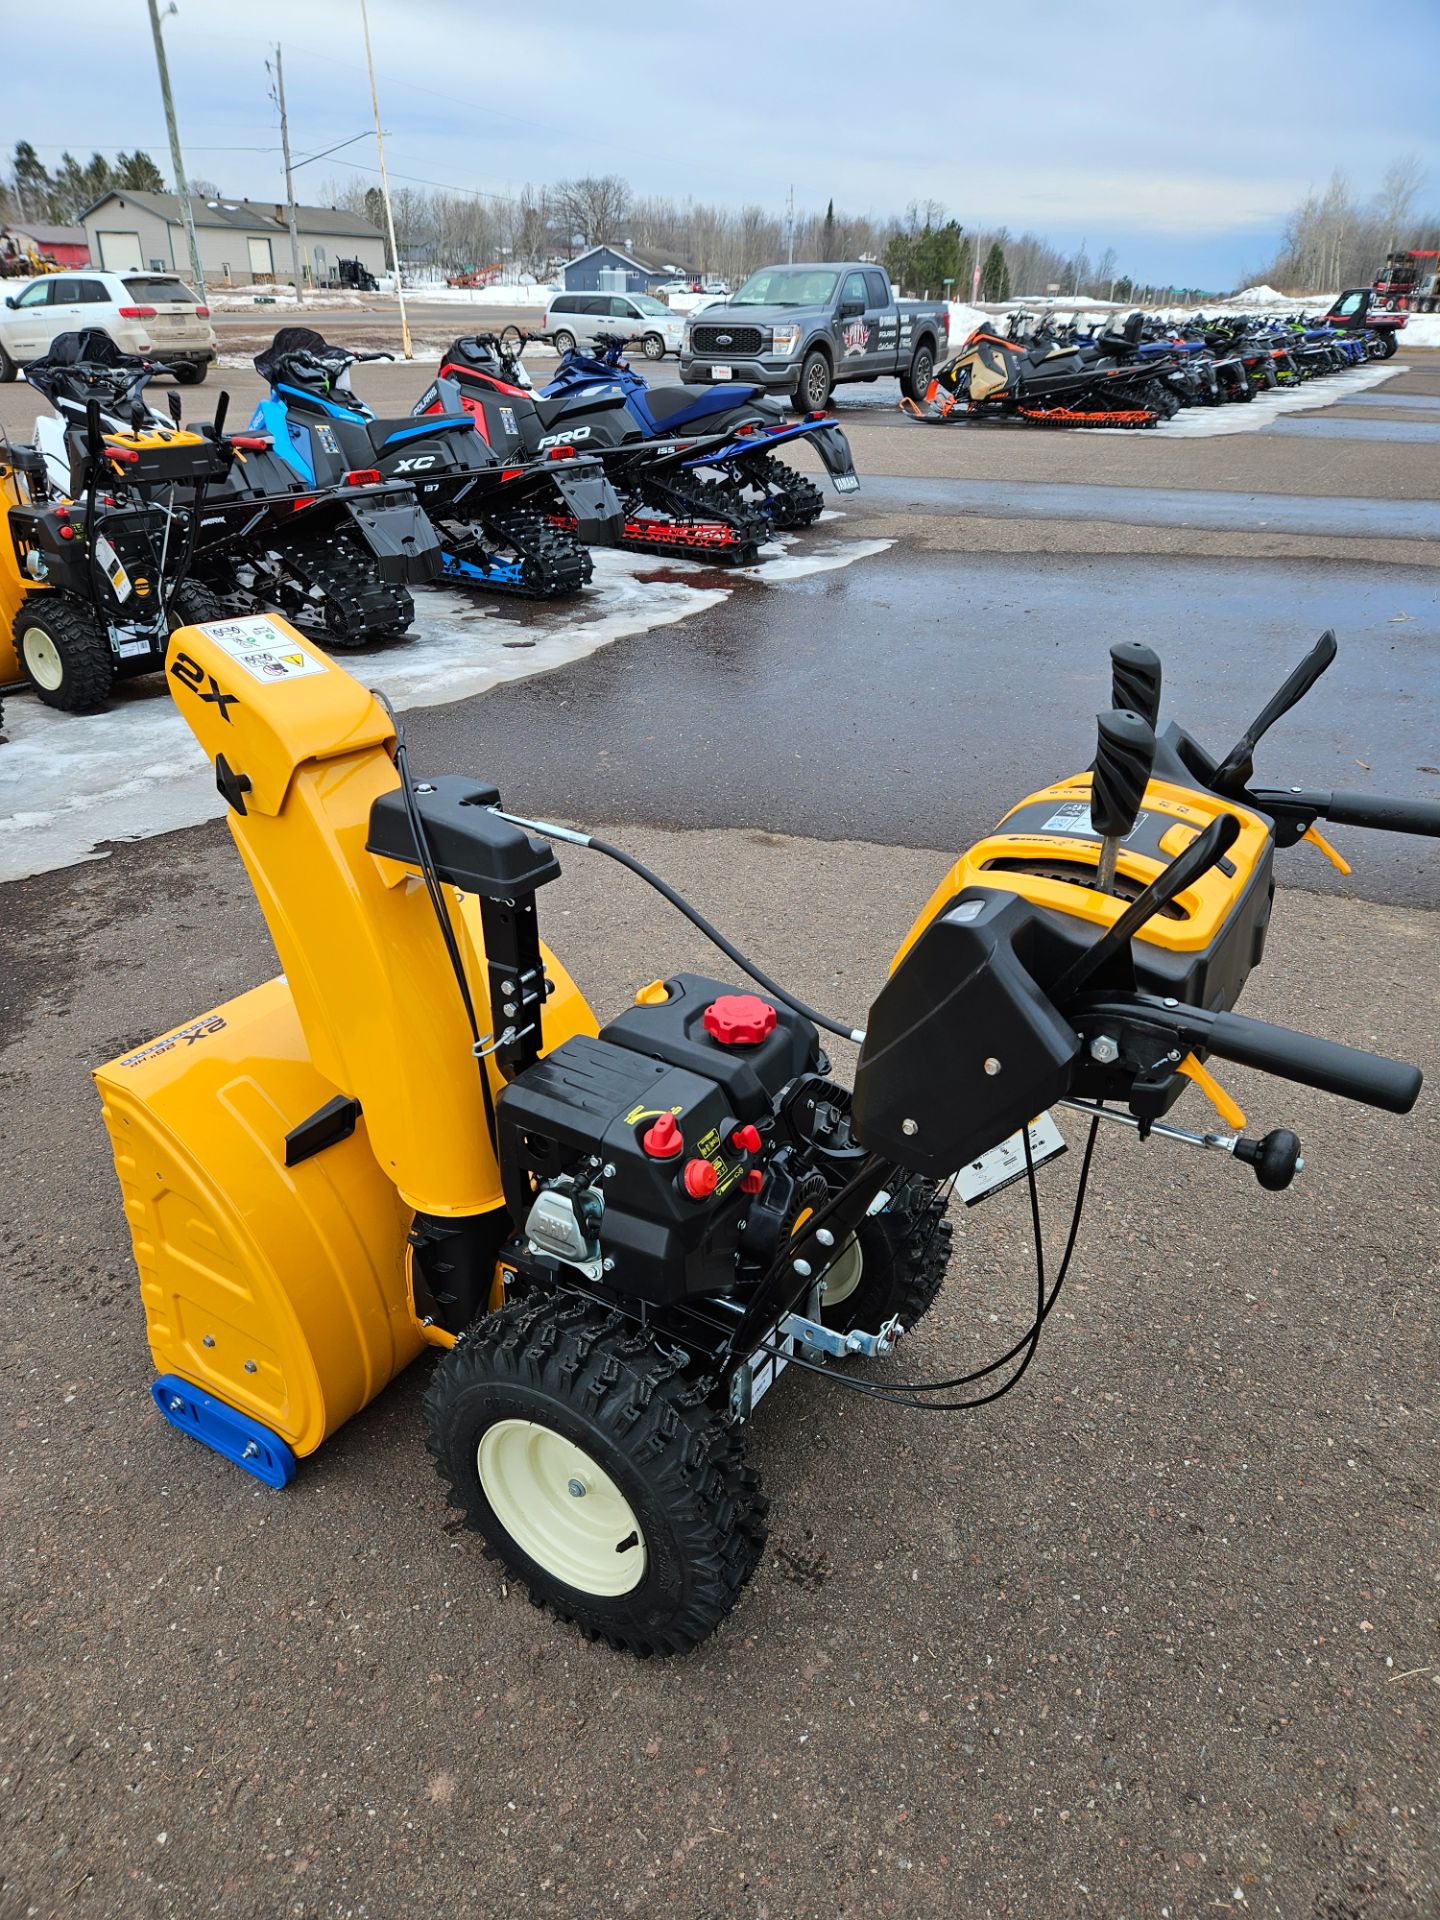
1155, 1638
966, 662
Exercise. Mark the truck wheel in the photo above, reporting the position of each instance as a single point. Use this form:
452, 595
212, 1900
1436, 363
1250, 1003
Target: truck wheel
7, 368
654, 347
812, 389
65, 654
891, 1266
190, 373
916, 383
564, 342
597, 1472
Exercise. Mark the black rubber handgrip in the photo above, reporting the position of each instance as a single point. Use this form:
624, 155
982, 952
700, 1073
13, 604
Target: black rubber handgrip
1366, 1077
1135, 679
1374, 810
1123, 759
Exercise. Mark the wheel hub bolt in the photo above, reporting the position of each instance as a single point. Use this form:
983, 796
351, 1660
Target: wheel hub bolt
577, 1489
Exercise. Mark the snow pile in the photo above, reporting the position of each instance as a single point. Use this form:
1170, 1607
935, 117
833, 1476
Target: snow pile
1257, 297
964, 320
501, 294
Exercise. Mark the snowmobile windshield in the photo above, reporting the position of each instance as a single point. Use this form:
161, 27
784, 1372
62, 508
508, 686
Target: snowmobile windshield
292, 344
786, 287
83, 361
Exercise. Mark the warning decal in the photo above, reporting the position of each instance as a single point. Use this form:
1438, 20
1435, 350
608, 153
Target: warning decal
263, 647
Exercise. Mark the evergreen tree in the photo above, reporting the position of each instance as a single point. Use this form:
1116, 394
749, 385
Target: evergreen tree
138, 172
827, 242
32, 183
995, 275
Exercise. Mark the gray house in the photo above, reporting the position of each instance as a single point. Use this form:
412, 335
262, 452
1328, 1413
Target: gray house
612, 269
240, 241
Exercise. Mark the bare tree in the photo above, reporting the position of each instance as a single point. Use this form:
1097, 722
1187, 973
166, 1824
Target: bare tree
595, 208
1399, 191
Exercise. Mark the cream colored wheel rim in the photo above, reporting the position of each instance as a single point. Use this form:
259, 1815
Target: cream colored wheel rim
42, 658
560, 1508
844, 1276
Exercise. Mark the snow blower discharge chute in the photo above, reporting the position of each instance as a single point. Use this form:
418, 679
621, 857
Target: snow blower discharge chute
620, 1236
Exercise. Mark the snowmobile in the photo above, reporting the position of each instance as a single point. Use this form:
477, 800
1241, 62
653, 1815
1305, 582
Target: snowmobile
93, 572
620, 1236
1047, 383
338, 560
496, 521
753, 426
669, 507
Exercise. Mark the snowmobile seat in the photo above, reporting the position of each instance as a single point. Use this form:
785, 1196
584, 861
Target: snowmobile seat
552, 407
665, 401
387, 435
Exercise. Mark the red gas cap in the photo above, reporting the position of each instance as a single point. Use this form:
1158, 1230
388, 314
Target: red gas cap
740, 1020
701, 1178
664, 1141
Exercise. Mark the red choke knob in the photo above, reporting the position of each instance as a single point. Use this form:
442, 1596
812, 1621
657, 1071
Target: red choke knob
664, 1141
740, 1020
752, 1181
746, 1139
701, 1178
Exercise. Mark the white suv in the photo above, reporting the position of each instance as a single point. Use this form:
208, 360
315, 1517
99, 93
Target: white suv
149, 313
575, 319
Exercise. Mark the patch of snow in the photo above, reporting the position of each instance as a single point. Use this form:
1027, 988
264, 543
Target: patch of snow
71, 781
1204, 423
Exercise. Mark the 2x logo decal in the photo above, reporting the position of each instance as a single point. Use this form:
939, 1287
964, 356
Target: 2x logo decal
191, 674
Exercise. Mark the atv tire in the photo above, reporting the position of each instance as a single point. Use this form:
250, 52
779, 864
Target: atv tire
598, 1472
1390, 345
64, 652
892, 1266
814, 387
192, 603
916, 383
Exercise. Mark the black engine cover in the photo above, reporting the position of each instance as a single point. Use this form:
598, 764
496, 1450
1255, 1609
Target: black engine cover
588, 1105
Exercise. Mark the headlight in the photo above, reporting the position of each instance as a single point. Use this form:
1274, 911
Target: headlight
786, 339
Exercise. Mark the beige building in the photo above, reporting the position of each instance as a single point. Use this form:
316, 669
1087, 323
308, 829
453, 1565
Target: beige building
240, 241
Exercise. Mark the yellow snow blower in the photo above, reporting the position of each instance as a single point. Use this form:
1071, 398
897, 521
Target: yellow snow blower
418, 1134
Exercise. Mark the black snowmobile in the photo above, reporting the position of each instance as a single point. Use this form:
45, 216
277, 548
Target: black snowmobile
497, 521
337, 561
1045, 382
668, 507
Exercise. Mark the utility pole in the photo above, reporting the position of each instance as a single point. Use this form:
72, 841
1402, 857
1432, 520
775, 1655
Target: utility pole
384, 186
182, 186
289, 180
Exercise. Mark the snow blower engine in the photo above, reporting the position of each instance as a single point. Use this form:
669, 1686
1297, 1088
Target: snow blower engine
620, 1236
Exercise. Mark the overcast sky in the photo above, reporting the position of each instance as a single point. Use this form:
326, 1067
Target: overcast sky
1180, 136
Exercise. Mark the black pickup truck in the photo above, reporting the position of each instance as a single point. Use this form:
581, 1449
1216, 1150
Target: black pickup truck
804, 329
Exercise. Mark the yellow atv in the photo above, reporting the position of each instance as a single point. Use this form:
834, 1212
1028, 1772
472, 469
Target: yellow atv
619, 1236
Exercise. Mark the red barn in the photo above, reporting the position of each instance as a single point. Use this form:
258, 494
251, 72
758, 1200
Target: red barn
66, 246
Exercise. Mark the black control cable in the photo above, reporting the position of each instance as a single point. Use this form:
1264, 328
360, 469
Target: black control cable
909, 1393
692, 914
425, 859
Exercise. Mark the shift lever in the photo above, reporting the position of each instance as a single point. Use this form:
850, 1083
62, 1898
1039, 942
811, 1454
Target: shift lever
1135, 679
1123, 759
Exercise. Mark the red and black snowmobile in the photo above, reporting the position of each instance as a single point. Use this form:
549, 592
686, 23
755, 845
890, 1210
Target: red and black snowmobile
669, 508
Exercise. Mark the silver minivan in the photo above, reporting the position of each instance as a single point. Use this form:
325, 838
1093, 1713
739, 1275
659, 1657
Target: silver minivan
575, 318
